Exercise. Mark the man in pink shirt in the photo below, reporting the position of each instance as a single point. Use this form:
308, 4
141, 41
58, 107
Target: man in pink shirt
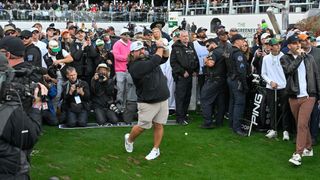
121, 50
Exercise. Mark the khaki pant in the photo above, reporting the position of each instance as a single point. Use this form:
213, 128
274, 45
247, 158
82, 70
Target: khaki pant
301, 109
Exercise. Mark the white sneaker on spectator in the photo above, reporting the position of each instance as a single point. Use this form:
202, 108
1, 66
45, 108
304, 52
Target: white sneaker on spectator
154, 153
295, 159
271, 134
307, 153
128, 146
285, 136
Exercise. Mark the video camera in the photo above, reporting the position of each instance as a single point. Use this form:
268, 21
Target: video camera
18, 85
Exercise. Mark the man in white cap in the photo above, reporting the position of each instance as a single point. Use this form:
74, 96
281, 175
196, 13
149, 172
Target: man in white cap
41, 45
152, 92
121, 50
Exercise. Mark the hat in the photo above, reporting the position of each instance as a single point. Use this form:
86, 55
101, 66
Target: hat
201, 29
176, 34
264, 35
293, 39
222, 32
80, 30
99, 42
154, 24
13, 45
211, 40
65, 32
34, 29
111, 28
233, 30
274, 41
147, 32
26, 33
124, 31
50, 27
136, 46
103, 65
312, 38
318, 41
221, 26
8, 28
54, 46
303, 37
236, 37
72, 27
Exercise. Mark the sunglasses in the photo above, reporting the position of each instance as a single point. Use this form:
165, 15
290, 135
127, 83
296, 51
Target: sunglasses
9, 33
26, 37
207, 45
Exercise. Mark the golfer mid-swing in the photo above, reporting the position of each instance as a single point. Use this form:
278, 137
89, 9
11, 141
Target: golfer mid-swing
152, 92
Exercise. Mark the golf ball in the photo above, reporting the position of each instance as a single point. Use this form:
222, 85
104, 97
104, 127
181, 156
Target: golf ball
186, 133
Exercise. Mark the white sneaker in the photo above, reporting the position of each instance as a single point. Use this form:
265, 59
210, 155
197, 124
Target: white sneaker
128, 146
307, 153
285, 136
154, 153
295, 159
271, 134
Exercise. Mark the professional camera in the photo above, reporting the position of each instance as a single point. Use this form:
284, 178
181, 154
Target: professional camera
114, 108
101, 77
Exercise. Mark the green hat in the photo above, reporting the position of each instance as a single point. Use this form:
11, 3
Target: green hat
274, 41
99, 42
54, 46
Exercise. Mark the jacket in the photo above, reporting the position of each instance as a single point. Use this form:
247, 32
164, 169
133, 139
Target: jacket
15, 147
183, 58
69, 102
102, 93
290, 66
120, 52
33, 55
149, 80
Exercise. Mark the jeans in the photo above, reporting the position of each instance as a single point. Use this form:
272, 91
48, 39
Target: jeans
182, 97
77, 119
104, 115
212, 94
237, 102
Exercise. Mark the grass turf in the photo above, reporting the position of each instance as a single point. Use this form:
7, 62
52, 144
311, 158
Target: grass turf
202, 154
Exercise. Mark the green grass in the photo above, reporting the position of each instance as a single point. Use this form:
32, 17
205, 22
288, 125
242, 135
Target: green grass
202, 154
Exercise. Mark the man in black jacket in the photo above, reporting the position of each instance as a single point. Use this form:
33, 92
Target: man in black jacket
32, 53
152, 92
185, 64
303, 86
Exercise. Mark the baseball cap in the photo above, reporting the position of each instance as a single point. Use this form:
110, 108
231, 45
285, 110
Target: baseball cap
34, 29
13, 45
303, 37
236, 37
54, 46
64, 32
293, 39
211, 40
274, 41
201, 29
124, 31
136, 46
222, 32
99, 42
147, 32
26, 33
264, 35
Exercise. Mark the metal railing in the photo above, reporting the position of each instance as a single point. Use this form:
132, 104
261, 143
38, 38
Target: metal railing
79, 16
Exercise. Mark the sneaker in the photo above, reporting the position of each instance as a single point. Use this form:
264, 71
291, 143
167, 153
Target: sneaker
128, 146
271, 134
307, 153
295, 159
285, 136
154, 153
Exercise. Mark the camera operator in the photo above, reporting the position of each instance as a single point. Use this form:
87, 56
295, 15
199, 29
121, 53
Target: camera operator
19, 127
13, 49
102, 88
76, 95
104, 56
83, 53
57, 60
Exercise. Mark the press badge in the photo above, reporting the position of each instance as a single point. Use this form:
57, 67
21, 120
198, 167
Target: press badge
77, 99
44, 106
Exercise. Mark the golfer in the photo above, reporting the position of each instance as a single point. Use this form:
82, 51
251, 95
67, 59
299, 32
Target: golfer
152, 92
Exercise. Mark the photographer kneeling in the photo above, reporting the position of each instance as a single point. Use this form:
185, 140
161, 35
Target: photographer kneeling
102, 88
76, 95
